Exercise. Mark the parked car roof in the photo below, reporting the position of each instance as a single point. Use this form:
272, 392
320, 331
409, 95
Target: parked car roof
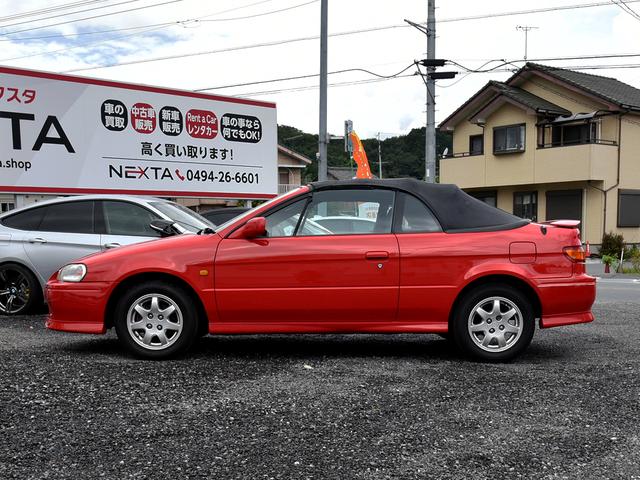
219, 216
455, 210
77, 198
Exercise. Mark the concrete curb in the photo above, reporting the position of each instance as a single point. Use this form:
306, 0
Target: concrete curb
633, 276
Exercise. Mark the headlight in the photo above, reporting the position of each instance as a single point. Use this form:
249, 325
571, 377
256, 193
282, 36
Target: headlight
74, 272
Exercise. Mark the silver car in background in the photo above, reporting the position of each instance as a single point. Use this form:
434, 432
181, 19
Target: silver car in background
37, 240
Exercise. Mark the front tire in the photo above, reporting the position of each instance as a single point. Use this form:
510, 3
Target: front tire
156, 320
494, 322
20, 291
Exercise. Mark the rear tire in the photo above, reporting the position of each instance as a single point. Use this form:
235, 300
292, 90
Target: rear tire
20, 291
494, 322
156, 320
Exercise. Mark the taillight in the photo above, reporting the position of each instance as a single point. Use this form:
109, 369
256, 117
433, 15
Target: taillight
575, 253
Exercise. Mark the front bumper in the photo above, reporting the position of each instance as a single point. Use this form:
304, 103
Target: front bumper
77, 307
567, 302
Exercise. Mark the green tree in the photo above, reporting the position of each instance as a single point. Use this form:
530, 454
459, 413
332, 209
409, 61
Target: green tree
402, 156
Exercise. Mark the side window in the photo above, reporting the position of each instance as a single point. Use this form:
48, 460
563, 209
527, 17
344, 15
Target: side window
6, 206
283, 222
27, 220
525, 205
416, 217
349, 211
124, 218
69, 217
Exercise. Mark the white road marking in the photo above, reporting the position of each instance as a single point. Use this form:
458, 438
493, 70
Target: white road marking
631, 281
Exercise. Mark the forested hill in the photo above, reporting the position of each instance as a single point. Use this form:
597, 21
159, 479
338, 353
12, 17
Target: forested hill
402, 156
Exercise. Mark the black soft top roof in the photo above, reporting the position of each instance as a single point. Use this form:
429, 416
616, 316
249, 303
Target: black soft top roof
455, 210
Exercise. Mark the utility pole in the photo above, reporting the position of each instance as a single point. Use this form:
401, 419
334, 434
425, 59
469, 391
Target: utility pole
379, 158
322, 135
525, 29
431, 62
348, 144
430, 141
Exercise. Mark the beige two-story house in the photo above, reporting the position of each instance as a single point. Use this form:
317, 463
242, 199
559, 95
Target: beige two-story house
552, 143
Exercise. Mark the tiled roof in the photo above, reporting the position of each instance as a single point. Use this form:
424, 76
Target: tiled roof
607, 88
528, 99
493, 90
341, 173
294, 154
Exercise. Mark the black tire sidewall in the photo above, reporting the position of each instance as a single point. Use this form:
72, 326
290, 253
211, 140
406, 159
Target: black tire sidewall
189, 318
471, 299
35, 289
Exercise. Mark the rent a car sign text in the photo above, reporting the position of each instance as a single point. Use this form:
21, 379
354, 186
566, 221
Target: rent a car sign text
64, 134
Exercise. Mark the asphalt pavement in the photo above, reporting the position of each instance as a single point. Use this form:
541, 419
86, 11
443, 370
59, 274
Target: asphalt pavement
325, 407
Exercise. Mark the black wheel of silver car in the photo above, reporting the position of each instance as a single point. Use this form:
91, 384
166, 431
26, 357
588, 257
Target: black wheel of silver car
156, 320
494, 322
20, 292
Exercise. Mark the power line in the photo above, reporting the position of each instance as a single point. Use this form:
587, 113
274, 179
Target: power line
531, 11
497, 68
95, 16
351, 32
96, 32
195, 54
44, 11
139, 27
71, 13
376, 80
543, 59
298, 77
626, 8
259, 14
582, 67
101, 42
313, 87
630, 9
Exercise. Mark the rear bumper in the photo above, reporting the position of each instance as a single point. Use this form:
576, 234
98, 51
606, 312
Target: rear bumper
77, 307
567, 301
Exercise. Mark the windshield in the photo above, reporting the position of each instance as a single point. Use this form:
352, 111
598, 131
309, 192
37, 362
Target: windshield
249, 212
187, 219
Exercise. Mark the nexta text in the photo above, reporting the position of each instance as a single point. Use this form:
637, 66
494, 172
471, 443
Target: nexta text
59, 137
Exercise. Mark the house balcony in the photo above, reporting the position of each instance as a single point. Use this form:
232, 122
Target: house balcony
566, 163
545, 164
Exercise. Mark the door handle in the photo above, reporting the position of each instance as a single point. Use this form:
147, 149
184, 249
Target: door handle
37, 240
376, 255
111, 245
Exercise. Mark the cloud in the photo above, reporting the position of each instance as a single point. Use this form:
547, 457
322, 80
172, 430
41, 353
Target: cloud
406, 121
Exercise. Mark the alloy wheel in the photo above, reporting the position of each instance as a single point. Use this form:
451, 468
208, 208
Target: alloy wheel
495, 324
154, 321
14, 291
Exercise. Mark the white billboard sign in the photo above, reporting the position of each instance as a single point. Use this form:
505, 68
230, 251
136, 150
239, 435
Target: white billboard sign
66, 134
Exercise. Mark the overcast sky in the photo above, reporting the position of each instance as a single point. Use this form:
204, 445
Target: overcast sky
182, 28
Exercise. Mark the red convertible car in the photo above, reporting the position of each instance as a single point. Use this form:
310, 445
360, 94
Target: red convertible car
436, 261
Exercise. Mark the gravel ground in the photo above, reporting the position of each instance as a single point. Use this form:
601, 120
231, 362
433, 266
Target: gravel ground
343, 406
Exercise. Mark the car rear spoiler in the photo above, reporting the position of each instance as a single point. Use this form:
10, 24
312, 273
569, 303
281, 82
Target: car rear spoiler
563, 223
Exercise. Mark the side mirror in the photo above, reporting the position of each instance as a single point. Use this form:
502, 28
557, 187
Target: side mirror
254, 228
165, 227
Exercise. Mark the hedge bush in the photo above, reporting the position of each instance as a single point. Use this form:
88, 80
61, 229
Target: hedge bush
612, 244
